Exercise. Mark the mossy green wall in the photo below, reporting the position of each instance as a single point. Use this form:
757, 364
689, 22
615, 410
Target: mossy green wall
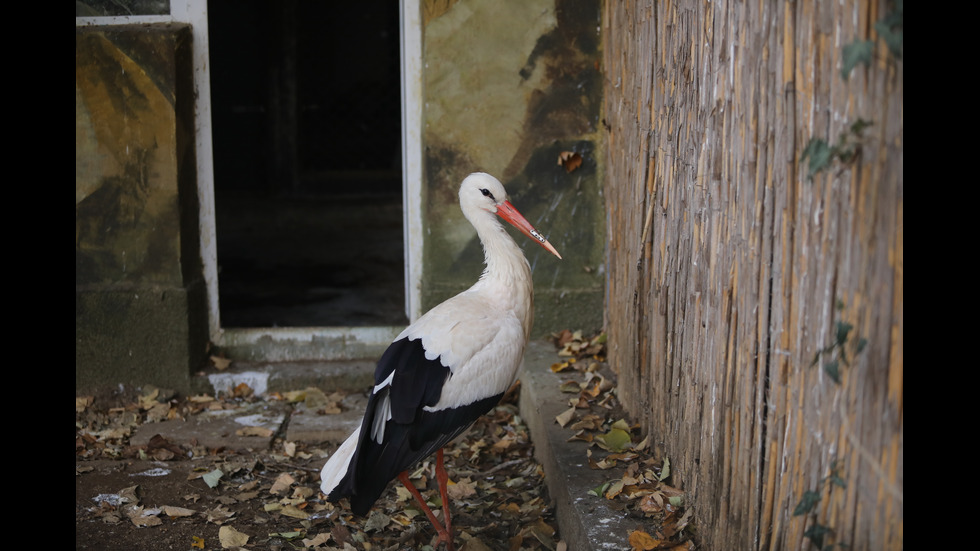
508, 87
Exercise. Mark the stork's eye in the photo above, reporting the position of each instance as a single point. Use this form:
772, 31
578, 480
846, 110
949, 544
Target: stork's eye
486, 193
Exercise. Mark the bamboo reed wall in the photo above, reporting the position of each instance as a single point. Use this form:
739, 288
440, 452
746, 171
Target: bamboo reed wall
730, 268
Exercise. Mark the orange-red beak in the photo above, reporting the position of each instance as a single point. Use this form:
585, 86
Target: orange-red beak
516, 219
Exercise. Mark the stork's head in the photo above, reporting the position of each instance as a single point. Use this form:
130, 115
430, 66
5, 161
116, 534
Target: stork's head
482, 192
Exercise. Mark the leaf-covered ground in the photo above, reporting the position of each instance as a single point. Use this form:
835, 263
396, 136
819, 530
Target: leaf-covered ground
163, 495
185, 496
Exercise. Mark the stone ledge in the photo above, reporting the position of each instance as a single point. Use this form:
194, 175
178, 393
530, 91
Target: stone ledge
586, 522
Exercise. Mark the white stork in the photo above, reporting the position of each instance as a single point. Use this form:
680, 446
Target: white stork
445, 370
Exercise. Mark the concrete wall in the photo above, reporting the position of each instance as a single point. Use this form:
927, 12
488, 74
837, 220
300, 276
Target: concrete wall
508, 87
140, 313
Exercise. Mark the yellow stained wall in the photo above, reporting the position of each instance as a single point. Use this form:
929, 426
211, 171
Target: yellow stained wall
509, 86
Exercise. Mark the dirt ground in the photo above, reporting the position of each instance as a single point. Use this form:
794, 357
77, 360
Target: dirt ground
167, 495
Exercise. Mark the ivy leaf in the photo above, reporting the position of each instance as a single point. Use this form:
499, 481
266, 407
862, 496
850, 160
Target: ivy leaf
819, 154
832, 369
857, 128
890, 29
816, 533
837, 481
860, 345
843, 329
807, 503
856, 52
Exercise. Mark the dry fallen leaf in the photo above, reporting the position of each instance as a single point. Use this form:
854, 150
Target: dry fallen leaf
82, 402
543, 532
566, 416
501, 445
293, 511
560, 366
588, 421
614, 489
570, 160
462, 489
317, 540
229, 537
562, 337
161, 449
377, 521
282, 483
651, 503
174, 512
144, 517
641, 541
219, 514
220, 363
129, 495
665, 470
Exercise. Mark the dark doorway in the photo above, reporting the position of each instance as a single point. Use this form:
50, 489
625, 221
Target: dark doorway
306, 121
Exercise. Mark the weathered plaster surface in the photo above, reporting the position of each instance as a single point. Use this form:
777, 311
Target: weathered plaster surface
126, 162
508, 87
476, 97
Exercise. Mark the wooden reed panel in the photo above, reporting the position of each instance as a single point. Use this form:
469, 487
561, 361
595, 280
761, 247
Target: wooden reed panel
726, 262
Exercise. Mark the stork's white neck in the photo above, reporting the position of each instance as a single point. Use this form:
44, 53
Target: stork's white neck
507, 277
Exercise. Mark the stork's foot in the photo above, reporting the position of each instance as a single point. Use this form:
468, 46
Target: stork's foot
448, 541
445, 535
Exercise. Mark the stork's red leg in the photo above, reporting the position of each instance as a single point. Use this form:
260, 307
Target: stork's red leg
443, 533
443, 478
